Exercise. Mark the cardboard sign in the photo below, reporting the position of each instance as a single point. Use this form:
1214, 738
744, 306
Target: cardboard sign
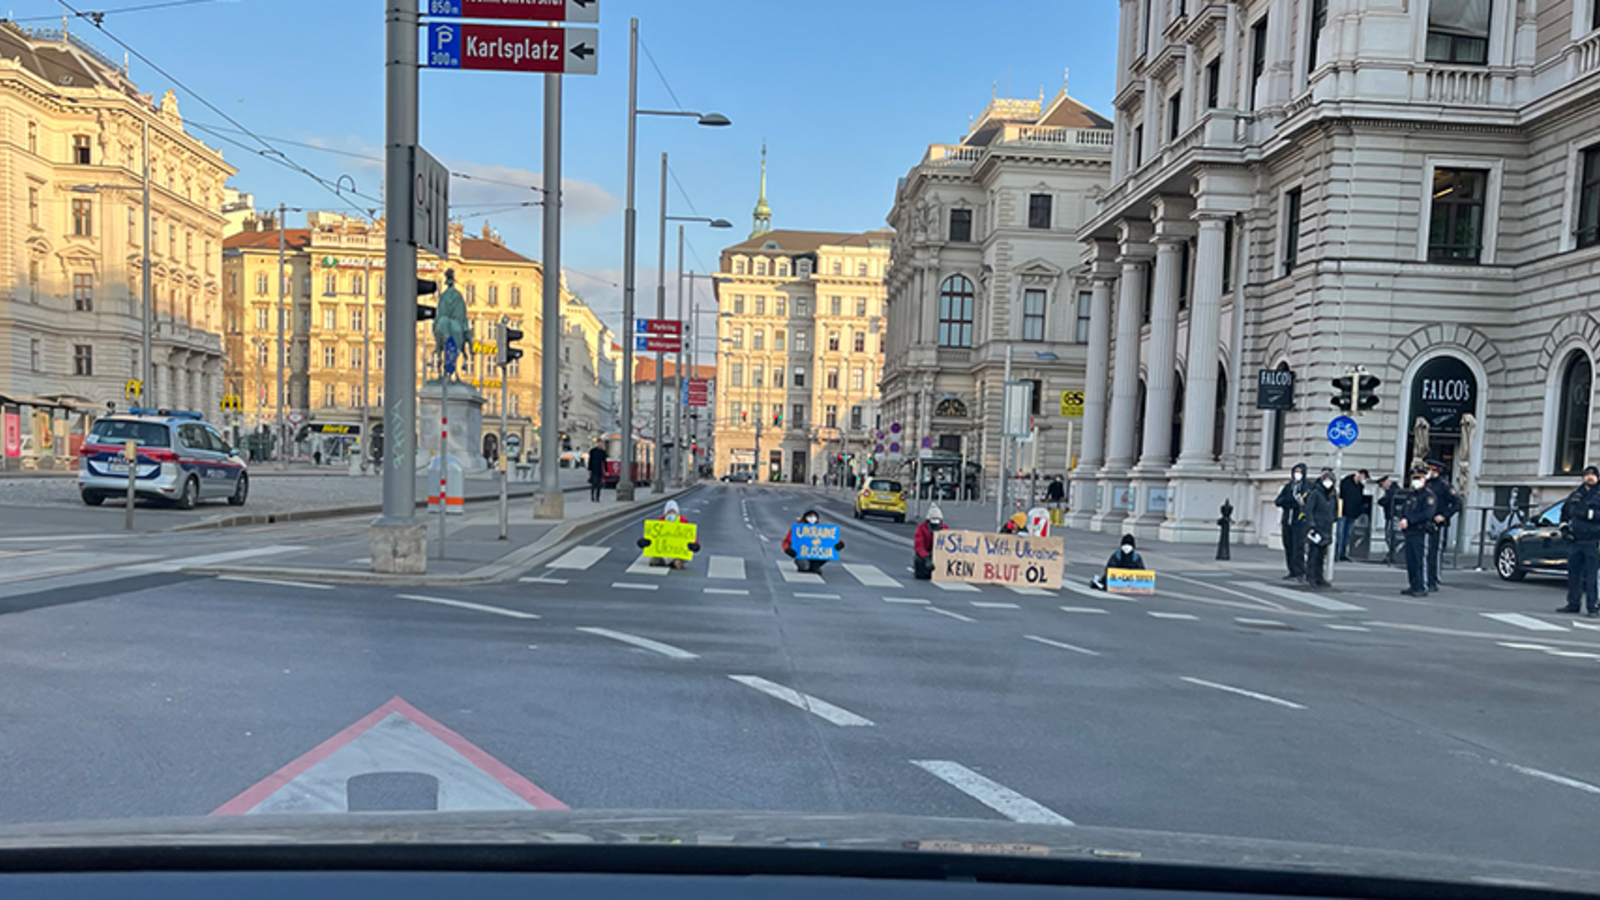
816, 541
977, 557
669, 540
1130, 581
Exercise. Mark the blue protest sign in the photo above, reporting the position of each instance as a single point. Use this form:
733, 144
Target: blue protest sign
816, 541
1342, 432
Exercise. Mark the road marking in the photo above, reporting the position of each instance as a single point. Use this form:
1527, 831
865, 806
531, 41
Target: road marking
641, 642
463, 604
174, 565
913, 600
817, 596
953, 615
641, 566
741, 592
1586, 625
955, 586
730, 567
634, 586
1082, 609
1086, 591
1267, 698
994, 604
275, 581
1028, 591
1327, 604
992, 794
870, 575
1261, 623
1513, 645
1166, 615
1573, 654
1348, 628
581, 557
539, 579
822, 709
1064, 646
787, 570
1562, 780
1522, 621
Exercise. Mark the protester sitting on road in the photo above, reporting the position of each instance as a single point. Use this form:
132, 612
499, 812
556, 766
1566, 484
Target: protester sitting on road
922, 543
1126, 557
809, 517
671, 513
1014, 525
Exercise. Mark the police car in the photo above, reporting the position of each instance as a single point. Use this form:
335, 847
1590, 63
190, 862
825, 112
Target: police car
180, 459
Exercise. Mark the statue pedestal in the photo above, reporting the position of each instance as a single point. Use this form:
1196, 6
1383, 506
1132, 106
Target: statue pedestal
465, 424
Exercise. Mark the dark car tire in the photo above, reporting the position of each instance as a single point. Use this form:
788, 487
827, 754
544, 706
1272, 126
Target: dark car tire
1506, 563
90, 499
190, 495
241, 491
900, 518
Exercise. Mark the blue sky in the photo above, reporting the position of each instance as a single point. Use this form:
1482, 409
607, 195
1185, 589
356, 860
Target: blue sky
846, 95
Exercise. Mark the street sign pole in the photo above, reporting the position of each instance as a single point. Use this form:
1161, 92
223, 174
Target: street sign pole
505, 465
551, 503
625, 486
445, 371
658, 477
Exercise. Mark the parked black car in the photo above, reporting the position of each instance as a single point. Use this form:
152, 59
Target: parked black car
1535, 545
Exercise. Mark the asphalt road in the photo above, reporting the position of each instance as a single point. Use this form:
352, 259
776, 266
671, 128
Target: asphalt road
1462, 724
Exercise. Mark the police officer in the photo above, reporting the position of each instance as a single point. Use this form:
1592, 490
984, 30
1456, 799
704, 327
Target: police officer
1292, 500
1580, 520
1415, 508
1445, 505
1321, 504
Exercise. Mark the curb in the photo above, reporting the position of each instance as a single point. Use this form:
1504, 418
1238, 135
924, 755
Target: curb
518, 560
333, 512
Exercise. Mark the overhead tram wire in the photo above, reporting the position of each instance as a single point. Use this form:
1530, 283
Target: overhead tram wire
96, 16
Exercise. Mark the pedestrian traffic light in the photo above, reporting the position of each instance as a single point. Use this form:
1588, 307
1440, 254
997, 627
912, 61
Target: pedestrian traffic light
1366, 392
777, 418
505, 354
1344, 385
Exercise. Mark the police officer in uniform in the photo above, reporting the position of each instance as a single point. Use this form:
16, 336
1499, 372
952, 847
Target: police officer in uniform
1580, 521
1446, 505
1292, 500
1415, 508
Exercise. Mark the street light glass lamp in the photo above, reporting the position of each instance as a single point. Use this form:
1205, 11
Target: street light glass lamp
1046, 356
714, 120
721, 223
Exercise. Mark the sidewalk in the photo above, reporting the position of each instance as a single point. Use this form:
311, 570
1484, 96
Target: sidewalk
473, 549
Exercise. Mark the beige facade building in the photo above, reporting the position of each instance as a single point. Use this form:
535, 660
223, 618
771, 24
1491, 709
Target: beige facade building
73, 150
801, 345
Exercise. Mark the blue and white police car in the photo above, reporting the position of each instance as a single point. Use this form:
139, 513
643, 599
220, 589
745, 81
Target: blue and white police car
180, 459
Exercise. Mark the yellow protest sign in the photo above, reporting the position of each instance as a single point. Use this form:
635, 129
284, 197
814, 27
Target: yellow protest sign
669, 540
1130, 581
978, 557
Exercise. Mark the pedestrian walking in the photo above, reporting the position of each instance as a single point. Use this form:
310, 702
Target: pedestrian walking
1446, 504
597, 470
1321, 504
1387, 488
1055, 492
1292, 500
1415, 508
1580, 523
1353, 504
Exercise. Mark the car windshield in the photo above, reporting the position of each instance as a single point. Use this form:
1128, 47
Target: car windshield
884, 485
1551, 517
117, 431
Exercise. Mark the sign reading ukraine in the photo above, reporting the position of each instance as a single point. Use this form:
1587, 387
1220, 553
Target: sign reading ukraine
814, 541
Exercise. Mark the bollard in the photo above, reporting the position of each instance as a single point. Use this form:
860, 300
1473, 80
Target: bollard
1222, 536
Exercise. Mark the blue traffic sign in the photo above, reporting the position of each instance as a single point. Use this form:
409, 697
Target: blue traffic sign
451, 351
1342, 432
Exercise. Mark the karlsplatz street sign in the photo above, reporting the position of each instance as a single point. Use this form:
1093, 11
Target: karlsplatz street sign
513, 48
527, 10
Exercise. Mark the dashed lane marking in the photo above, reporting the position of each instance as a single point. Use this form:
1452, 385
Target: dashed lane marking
540, 579
787, 570
641, 566
992, 794
1348, 628
1265, 698
946, 612
1083, 609
739, 592
1062, 645
915, 601
806, 596
634, 586
1184, 617
994, 604
822, 709
870, 575
644, 643
475, 607
1327, 604
1027, 591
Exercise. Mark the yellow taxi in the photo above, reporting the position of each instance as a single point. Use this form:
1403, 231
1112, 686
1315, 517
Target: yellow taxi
881, 497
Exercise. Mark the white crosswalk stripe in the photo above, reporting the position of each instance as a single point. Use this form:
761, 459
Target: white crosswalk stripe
174, 565
1323, 603
1522, 621
870, 575
641, 566
729, 567
581, 557
787, 570
961, 586
1028, 591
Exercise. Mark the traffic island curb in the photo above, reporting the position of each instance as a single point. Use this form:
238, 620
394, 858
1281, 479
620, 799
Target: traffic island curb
334, 512
502, 569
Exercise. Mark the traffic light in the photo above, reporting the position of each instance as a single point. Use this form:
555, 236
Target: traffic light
1344, 385
777, 419
1366, 392
426, 286
505, 354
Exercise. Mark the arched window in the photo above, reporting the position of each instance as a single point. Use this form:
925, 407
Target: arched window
1572, 414
955, 312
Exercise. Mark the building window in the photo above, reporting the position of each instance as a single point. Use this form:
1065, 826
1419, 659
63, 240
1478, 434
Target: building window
83, 360
838, 267
830, 416
781, 268
861, 269
802, 267
738, 267
1458, 31
802, 306
83, 292
780, 306
1319, 18
172, 240
330, 318
33, 280
494, 295
1455, 228
81, 154
1227, 256
358, 284
33, 206
330, 395
736, 412
858, 342
1258, 56
1280, 419
1589, 199
861, 307
356, 320
1214, 83
33, 137
832, 379
736, 375
800, 342
758, 339
955, 312
738, 304
1033, 314
797, 417
1039, 211
835, 306
133, 227
35, 355
1184, 257
516, 296
1080, 333
1138, 146
780, 339
82, 218
760, 306
833, 341
857, 379
261, 354
960, 226
262, 319
761, 266
261, 283
330, 356
1291, 230
472, 293
355, 356
380, 329
799, 376
1572, 421
738, 338
1174, 114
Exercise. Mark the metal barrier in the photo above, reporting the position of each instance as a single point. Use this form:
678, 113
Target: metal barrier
1493, 522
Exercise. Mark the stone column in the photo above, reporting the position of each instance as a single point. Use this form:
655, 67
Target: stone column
1161, 376
1125, 364
1205, 323
1097, 375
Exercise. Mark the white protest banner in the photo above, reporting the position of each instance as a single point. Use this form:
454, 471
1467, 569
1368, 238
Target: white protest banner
977, 557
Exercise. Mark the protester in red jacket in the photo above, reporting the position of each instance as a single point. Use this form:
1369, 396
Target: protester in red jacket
922, 543
671, 513
809, 517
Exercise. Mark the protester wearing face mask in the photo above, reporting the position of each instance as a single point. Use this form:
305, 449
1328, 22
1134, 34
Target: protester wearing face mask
671, 513
1126, 557
809, 517
1321, 506
1292, 500
1580, 522
1415, 507
922, 543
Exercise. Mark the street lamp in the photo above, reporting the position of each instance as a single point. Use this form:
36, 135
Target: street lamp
661, 301
694, 336
711, 119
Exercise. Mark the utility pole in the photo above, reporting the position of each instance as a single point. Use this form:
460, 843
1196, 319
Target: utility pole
658, 478
1005, 445
145, 363
283, 438
551, 503
629, 216
677, 417
366, 361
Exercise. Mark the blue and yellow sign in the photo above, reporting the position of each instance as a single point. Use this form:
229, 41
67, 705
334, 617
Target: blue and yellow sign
814, 541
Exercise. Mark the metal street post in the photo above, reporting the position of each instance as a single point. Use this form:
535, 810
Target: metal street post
366, 362
446, 370
148, 315
505, 468
658, 478
678, 475
130, 451
551, 502
283, 442
1005, 444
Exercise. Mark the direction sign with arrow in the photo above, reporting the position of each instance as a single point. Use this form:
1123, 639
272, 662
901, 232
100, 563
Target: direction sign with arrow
538, 11
513, 48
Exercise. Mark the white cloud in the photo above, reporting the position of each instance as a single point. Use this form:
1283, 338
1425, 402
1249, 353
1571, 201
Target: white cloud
487, 184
